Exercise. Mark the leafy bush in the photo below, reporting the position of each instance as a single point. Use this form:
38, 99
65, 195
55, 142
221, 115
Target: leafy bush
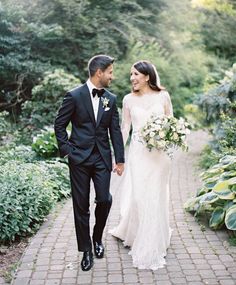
23, 201
4, 124
217, 198
176, 71
45, 144
59, 178
194, 115
208, 157
47, 98
19, 153
219, 99
224, 134
28, 192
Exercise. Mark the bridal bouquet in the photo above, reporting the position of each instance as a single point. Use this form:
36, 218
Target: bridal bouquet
164, 133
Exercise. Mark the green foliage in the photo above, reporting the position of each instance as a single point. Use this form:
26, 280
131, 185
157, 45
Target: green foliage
177, 72
219, 106
28, 192
23, 200
19, 153
194, 115
4, 124
45, 144
218, 26
208, 157
74, 31
219, 99
47, 97
18, 70
217, 198
225, 135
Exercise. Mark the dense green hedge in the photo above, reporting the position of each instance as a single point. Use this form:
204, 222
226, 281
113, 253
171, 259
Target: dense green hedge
28, 191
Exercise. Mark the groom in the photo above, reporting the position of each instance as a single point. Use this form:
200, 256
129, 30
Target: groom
92, 111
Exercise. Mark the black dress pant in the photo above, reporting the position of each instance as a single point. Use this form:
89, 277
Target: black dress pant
81, 174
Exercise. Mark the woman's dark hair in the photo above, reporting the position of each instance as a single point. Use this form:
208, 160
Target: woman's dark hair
100, 61
147, 68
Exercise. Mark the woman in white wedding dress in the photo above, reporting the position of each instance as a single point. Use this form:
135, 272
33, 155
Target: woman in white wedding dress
144, 207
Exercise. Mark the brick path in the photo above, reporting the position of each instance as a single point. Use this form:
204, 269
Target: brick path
195, 256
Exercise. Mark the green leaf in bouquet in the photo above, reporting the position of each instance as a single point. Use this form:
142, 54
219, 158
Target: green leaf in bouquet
217, 218
230, 218
223, 191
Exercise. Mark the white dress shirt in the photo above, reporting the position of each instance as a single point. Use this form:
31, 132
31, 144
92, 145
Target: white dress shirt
95, 99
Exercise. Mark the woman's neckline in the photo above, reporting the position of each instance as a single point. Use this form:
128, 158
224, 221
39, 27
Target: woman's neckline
145, 94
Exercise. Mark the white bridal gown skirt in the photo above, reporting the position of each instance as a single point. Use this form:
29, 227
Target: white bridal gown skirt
144, 206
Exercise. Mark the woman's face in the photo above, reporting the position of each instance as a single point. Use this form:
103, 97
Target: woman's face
138, 80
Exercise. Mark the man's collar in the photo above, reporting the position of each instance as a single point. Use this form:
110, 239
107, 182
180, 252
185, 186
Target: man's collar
91, 86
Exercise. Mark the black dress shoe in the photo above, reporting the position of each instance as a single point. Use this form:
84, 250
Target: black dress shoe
98, 249
87, 261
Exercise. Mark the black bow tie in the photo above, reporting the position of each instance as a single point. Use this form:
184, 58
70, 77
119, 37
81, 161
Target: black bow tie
98, 92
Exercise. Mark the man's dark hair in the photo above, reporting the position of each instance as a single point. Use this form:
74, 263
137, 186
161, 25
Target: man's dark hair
100, 61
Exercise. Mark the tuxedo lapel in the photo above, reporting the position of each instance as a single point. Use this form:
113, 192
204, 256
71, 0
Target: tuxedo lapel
87, 102
100, 111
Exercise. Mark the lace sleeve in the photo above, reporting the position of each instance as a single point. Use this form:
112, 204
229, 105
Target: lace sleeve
168, 105
126, 120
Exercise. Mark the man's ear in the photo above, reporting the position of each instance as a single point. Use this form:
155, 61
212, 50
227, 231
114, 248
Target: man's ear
99, 72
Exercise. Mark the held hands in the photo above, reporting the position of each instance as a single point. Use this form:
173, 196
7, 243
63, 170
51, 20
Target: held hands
118, 168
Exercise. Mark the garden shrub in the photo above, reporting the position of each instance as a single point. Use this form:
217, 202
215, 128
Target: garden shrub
217, 198
47, 97
45, 143
21, 153
28, 191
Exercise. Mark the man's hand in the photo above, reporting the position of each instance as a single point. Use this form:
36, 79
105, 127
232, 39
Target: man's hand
119, 168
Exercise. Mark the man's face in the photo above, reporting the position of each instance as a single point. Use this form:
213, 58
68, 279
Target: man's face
106, 76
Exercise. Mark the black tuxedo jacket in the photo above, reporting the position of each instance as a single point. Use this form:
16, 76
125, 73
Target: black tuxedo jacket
86, 131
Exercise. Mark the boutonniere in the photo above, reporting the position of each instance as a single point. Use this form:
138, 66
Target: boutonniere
105, 102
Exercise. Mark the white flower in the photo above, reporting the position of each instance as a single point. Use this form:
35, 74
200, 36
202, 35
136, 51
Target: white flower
164, 133
152, 134
161, 134
105, 102
175, 136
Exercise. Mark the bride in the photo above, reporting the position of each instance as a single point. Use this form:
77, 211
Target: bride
144, 207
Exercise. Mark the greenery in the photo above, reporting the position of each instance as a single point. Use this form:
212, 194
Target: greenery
39, 49
28, 193
44, 50
217, 198
219, 107
49, 93
45, 144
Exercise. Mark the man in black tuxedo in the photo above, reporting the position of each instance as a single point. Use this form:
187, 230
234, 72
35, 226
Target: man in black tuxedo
92, 111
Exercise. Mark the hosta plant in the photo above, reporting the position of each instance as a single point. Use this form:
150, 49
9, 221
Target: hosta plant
217, 198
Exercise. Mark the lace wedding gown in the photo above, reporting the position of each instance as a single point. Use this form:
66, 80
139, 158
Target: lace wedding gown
144, 207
